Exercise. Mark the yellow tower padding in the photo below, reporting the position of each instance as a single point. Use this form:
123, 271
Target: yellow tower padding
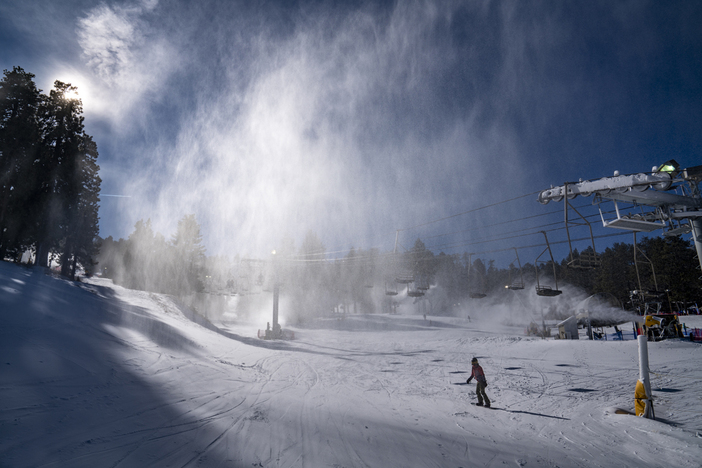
640, 397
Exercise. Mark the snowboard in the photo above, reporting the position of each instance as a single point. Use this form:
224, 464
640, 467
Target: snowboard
482, 406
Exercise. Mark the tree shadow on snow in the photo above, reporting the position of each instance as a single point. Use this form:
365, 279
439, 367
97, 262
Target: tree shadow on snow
74, 389
529, 412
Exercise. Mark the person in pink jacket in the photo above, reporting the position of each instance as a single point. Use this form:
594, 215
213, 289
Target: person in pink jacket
479, 376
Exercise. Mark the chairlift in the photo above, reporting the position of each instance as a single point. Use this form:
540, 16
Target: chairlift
642, 222
587, 259
252, 277
404, 279
647, 260
408, 279
542, 290
390, 290
414, 292
677, 229
515, 283
475, 293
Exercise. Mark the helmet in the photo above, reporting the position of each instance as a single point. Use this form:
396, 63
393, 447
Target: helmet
474, 360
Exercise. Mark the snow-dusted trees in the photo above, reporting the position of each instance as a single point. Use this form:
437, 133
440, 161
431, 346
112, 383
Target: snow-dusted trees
310, 285
148, 262
68, 185
20, 141
188, 255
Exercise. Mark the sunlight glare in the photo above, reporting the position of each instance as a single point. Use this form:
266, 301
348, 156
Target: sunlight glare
81, 89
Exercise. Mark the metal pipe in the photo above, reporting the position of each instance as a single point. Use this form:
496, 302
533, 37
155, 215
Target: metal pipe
696, 224
644, 375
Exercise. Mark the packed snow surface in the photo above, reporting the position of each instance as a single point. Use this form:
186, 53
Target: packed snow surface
97, 375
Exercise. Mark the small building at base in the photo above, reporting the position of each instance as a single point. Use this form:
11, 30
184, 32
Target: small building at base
568, 329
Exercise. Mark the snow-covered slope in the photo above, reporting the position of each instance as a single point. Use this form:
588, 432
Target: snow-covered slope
96, 375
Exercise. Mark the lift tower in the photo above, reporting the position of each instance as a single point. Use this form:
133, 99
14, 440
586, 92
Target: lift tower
671, 197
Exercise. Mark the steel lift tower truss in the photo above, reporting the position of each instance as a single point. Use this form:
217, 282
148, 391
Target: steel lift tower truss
670, 194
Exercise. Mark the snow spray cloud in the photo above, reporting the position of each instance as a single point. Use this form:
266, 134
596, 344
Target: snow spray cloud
354, 120
521, 307
350, 121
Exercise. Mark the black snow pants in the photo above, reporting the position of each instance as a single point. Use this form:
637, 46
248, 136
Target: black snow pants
480, 391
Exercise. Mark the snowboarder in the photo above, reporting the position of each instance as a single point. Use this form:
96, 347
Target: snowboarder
481, 383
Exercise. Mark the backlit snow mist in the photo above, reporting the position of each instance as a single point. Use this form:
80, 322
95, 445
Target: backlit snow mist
349, 121
353, 120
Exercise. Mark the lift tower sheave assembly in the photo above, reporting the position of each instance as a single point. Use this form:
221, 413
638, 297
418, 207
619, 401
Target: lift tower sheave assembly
670, 194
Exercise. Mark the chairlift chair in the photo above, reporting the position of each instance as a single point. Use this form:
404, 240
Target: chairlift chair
414, 292
641, 222
390, 290
586, 260
542, 290
404, 279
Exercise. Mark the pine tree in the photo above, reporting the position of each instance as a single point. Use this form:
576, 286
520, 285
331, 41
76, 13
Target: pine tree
68, 183
19, 145
189, 256
138, 258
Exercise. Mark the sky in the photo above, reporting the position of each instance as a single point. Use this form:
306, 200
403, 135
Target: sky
354, 120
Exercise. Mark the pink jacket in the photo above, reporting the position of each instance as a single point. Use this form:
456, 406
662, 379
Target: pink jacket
478, 374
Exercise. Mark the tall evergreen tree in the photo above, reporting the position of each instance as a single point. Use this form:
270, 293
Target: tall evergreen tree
20, 141
138, 258
189, 255
68, 183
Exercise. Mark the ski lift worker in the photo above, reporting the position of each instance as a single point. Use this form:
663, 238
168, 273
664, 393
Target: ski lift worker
481, 383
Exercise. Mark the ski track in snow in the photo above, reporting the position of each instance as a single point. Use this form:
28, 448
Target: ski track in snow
96, 375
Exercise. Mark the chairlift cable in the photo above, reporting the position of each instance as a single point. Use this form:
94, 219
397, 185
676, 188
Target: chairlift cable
470, 211
558, 211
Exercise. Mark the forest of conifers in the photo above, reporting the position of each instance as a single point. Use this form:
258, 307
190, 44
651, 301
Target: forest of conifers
49, 182
359, 282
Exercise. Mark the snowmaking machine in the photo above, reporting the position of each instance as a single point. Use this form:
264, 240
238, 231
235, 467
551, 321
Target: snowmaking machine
661, 326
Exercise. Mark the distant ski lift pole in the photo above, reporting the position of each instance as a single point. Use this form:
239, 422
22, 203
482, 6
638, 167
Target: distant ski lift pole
542, 290
368, 278
586, 259
515, 283
475, 293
